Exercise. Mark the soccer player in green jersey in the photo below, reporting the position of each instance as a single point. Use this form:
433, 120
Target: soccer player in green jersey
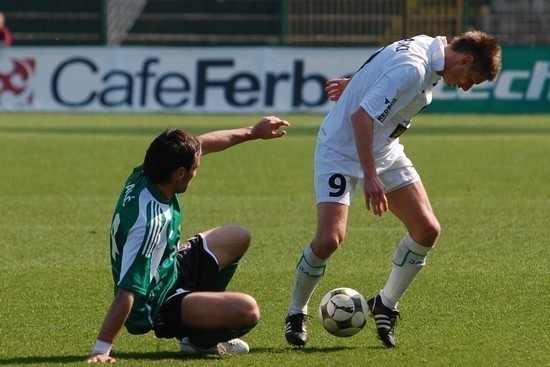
177, 288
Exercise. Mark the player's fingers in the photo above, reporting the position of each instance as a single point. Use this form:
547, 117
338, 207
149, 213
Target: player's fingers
100, 359
334, 96
385, 205
367, 200
277, 121
379, 205
277, 131
270, 119
376, 208
379, 211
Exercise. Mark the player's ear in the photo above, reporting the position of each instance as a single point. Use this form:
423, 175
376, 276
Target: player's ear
179, 173
466, 60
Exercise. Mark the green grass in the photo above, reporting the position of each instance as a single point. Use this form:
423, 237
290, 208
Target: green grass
481, 301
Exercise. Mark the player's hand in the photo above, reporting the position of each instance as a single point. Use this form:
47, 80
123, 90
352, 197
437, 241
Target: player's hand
335, 87
269, 128
375, 196
100, 358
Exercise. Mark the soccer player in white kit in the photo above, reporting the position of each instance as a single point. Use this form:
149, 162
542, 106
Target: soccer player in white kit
358, 143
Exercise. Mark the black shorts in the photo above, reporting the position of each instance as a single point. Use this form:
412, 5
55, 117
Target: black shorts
198, 269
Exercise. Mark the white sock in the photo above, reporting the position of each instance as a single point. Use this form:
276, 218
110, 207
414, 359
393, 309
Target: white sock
409, 258
309, 271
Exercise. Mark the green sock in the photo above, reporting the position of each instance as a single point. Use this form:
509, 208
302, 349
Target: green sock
224, 277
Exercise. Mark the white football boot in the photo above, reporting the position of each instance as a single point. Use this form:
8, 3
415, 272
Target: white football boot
230, 347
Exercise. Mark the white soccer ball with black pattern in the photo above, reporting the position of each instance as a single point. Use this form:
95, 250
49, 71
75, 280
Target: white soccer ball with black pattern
343, 312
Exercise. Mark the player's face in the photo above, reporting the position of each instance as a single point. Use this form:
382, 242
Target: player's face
461, 75
187, 175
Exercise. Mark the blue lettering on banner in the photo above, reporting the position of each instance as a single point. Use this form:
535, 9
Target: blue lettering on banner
240, 89
203, 82
164, 88
300, 80
55, 82
118, 86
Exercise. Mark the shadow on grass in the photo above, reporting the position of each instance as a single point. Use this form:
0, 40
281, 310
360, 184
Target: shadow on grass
153, 356
36, 360
289, 349
158, 356
312, 350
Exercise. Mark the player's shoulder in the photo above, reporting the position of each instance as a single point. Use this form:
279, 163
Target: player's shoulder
135, 184
412, 55
412, 47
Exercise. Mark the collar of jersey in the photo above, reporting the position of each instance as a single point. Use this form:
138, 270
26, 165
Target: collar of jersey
437, 53
156, 193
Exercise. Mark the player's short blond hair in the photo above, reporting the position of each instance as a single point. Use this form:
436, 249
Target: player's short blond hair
485, 50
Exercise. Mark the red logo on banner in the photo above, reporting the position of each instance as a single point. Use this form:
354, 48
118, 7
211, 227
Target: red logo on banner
15, 82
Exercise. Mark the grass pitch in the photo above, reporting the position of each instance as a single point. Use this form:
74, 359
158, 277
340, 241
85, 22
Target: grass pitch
482, 299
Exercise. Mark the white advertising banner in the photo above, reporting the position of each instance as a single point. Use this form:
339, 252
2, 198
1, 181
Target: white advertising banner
232, 80
177, 80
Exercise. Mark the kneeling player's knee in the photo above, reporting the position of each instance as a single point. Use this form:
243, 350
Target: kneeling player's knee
242, 235
238, 238
249, 311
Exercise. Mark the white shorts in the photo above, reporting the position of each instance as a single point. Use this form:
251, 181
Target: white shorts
336, 176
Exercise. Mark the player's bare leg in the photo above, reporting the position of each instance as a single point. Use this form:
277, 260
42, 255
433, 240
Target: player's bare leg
228, 243
210, 311
216, 313
331, 230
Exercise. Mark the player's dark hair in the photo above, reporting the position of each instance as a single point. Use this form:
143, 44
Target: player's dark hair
171, 150
485, 50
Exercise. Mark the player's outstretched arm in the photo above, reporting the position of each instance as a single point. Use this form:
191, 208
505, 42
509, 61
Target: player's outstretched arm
267, 128
116, 316
335, 87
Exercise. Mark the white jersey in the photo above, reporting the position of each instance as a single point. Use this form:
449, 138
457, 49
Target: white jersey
392, 86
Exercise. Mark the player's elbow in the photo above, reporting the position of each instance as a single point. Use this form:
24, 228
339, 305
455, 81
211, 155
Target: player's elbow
361, 117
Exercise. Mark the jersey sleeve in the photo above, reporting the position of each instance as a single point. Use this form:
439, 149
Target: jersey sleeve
134, 264
391, 92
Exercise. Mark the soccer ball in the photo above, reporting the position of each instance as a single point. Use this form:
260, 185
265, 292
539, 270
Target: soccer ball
343, 312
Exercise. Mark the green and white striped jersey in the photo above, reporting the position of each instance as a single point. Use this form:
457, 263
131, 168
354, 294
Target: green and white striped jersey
144, 242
